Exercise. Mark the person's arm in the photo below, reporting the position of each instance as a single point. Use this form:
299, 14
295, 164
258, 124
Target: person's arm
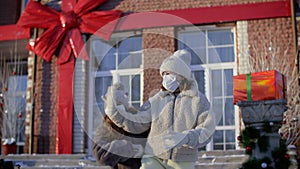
200, 135
206, 124
133, 122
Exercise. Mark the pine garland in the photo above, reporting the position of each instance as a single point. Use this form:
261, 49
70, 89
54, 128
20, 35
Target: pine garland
281, 158
254, 163
252, 137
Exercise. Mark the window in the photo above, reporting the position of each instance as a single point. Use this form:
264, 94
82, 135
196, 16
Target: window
213, 57
297, 7
122, 55
13, 98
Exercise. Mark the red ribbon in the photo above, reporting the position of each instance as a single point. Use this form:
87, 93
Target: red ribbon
63, 35
66, 27
13, 32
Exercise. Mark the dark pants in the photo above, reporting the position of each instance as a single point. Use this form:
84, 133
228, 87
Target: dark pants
132, 163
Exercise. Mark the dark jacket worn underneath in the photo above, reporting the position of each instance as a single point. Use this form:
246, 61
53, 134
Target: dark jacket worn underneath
113, 146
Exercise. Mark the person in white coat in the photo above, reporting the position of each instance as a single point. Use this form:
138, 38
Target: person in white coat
178, 116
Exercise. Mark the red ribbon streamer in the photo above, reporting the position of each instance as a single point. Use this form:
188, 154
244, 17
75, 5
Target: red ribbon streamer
13, 32
63, 34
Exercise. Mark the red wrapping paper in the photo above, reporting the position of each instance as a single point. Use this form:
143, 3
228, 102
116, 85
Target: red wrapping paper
63, 35
266, 85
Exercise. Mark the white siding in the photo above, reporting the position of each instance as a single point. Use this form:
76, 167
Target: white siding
243, 47
80, 105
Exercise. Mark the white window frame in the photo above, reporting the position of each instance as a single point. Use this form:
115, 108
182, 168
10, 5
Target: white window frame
216, 66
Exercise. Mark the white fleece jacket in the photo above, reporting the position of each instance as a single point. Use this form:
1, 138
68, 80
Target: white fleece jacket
188, 112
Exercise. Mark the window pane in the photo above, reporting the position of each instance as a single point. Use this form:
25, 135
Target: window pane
105, 54
135, 88
125, 81
230, 136
195, 43
129, 53
218, 140
230, 139
218, 55
130, 60
229, 112
228, 82
198, 55
130, 44
199, 75
230, 146
21, 137
218, 136
217, 108
101, 85
17, 83
218, 147
192, 40
216, 80
100, 48
109, 61
220, 37
15, 104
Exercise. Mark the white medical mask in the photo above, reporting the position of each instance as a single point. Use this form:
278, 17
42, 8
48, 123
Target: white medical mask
170, 83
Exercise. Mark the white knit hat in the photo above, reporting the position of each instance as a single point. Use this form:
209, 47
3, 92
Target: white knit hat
178, 63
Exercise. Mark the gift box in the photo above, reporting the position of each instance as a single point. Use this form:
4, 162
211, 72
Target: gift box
266, 85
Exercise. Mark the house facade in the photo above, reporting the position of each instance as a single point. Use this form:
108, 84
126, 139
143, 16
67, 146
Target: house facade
226, 38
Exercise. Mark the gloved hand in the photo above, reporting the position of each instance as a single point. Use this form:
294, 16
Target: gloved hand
111, 98
121, 97
174, 139
109, 103
117, 96
138, 150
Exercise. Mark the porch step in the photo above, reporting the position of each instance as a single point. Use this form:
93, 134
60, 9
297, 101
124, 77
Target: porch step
230, 159
53, 161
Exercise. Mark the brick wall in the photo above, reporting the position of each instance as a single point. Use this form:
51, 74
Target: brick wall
38, 104
53, 107
158, 43
278, 34
42, 106
45, 90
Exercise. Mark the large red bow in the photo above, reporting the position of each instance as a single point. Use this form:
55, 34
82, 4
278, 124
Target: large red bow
63, 34
65, 28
